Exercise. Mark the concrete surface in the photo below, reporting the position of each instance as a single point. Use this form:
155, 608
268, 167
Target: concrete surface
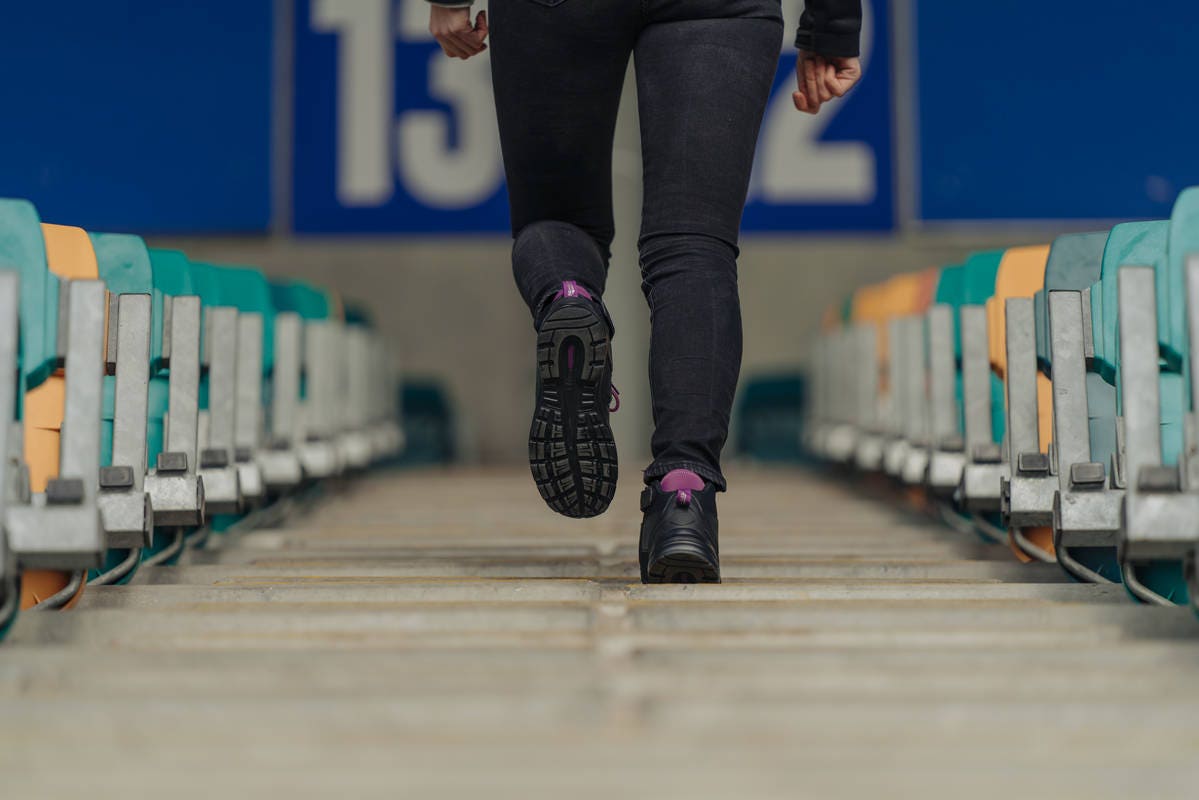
442, 634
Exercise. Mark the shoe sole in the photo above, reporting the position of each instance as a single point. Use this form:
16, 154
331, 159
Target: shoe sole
572, 453
682, 563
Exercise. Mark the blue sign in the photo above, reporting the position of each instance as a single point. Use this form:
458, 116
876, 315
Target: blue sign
392, 136
139, 115
832, 171
1075, 109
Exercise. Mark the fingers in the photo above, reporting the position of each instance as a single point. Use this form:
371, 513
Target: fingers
832, 84
846, 75
804, 98
471, 38
453, 30
811, 87
821, 79
825, 72
467, 42
798, 97
450, 47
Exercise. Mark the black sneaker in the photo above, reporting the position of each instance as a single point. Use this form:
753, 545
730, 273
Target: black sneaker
679, 534
571, 450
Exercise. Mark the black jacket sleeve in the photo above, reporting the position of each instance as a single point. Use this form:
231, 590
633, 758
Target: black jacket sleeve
830, 28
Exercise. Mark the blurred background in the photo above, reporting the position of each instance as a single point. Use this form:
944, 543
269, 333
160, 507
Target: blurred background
331, 140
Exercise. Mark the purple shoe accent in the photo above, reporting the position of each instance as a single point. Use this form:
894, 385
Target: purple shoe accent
681, 479
570, 358
572, 289
683, 497
614, 406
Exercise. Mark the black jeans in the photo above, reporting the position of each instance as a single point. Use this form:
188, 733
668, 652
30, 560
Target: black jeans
704, 73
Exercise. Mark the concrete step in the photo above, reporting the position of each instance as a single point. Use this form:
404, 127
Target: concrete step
380, 625
396, 640
1116, 675
283, 569
251, 593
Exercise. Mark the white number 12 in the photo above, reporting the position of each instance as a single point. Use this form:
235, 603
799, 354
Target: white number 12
794, 167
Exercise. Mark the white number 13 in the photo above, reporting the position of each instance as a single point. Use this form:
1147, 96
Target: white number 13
437, 175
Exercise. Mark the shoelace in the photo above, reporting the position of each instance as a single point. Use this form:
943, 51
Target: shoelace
614, 405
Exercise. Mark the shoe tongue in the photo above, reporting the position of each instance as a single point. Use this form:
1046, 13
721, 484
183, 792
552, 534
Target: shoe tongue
680, 479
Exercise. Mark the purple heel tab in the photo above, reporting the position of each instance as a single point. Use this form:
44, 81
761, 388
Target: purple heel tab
681, 479
572, 289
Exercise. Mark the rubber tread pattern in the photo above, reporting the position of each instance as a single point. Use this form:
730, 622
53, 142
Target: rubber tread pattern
572, 453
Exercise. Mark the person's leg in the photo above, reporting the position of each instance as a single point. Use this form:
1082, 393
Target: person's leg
703, 85
558, 70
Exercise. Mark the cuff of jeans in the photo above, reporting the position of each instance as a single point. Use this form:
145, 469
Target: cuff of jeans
658, 471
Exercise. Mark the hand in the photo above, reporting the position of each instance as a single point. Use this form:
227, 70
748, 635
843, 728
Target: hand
452, 29
821, 78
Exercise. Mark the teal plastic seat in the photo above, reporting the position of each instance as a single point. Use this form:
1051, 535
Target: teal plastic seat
23, 251
247, 290
1167, 578
123, 263
972, 283
1141, 243
1076, 263
1183, 243
171, 274
302, 298
981, 270
206, 283
951, 291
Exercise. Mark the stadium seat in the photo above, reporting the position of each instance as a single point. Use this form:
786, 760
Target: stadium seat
69, 256
907, 297
869, 316
123, 264
1086, 514
247, 290
172, 481
1021, 274
52, 524
218, 394
10, 435
947, 443
108, 350
981, 396
1159, 534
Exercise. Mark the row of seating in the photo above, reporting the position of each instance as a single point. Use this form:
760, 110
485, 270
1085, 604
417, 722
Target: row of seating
147, 400
1039, 396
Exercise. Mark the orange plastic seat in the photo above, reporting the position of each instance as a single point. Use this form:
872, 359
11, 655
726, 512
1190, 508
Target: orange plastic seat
1022, 274
70, 255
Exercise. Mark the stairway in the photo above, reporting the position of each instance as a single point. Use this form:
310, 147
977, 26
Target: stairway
443, 634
